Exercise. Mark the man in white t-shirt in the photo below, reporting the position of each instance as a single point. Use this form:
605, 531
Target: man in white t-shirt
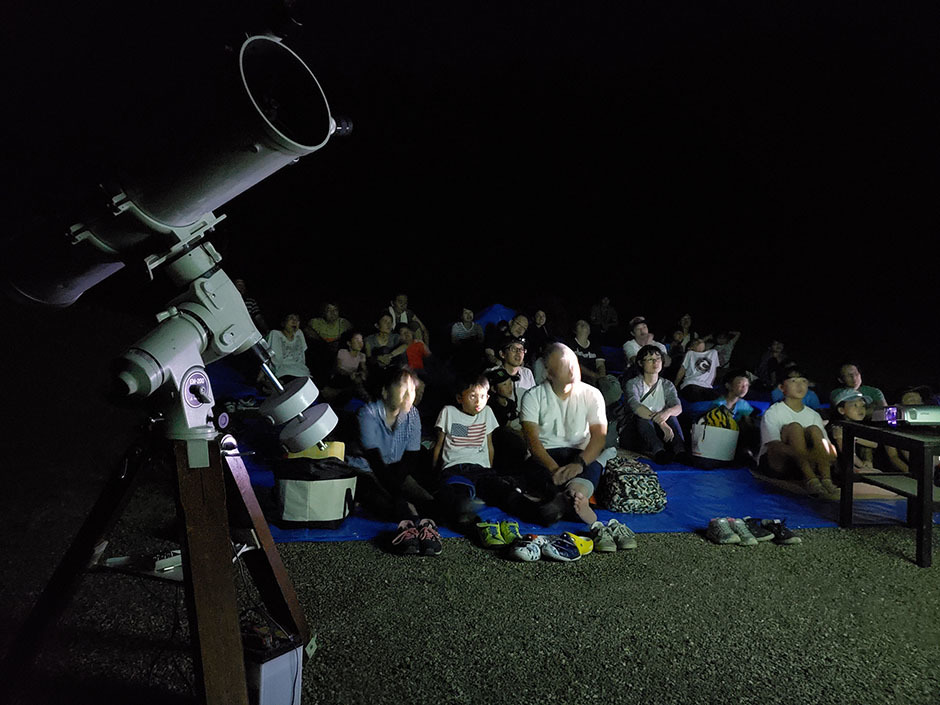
564, 422
641, 337
400, 313
794, 443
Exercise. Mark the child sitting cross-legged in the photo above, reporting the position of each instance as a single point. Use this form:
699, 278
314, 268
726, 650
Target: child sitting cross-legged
464, 450
852, 405
794, 443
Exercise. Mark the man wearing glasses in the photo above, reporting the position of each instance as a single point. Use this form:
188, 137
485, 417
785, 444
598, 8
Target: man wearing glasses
512, 356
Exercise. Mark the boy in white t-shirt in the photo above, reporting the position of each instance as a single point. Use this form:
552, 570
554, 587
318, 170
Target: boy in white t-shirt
697, 374
464, 451
794, 443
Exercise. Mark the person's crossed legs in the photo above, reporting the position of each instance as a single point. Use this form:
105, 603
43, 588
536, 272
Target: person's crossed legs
575, 493
804, 450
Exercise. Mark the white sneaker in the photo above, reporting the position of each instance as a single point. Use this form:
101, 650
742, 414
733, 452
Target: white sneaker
528, 549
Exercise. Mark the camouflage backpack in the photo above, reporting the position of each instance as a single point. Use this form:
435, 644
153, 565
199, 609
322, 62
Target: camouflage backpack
630, 486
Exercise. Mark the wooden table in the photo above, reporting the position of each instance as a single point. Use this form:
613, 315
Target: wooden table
923, 443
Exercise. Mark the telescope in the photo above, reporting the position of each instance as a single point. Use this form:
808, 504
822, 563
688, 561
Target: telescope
159, 211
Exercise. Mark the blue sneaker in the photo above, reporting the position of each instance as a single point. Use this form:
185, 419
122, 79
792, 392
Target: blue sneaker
561, 548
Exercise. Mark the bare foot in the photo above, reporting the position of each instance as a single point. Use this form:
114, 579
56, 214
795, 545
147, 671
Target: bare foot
582, 507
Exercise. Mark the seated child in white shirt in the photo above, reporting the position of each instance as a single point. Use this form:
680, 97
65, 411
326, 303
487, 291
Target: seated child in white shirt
464, 450
794, 442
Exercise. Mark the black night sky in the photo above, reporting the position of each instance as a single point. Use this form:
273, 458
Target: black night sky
765, 166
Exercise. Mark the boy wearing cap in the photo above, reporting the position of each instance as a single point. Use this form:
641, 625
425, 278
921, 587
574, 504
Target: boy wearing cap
508, 442
852, 405
794, 442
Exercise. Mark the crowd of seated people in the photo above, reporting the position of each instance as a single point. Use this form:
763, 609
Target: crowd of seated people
515, 416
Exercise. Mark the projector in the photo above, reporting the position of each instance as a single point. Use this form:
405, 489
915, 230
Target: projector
909, 415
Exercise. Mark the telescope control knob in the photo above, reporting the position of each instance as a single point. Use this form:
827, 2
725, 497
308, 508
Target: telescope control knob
169, 313
199, 391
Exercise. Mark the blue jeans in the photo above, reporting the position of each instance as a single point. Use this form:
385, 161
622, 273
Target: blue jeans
467, 475
649, 438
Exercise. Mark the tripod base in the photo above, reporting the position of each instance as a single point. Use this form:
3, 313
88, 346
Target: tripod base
208, 522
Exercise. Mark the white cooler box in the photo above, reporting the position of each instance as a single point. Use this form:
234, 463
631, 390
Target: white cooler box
314, 493
714, 442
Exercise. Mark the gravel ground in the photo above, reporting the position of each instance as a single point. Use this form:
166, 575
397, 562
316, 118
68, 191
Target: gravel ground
844, 617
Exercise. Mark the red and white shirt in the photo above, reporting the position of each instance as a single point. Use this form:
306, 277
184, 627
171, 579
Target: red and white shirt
465, 436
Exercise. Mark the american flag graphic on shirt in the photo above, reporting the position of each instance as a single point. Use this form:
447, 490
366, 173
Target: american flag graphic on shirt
471, 436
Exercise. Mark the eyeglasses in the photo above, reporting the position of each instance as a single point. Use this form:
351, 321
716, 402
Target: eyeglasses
516, 349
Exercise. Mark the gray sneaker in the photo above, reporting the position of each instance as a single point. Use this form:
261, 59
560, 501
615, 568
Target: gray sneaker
739, 527
623, 535
603, 539
720, 532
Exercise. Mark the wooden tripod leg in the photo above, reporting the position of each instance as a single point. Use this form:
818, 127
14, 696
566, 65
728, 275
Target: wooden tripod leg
61, 587
265, 565
209, 575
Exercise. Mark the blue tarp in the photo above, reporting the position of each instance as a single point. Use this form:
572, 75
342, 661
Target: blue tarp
694, 497
494, 314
